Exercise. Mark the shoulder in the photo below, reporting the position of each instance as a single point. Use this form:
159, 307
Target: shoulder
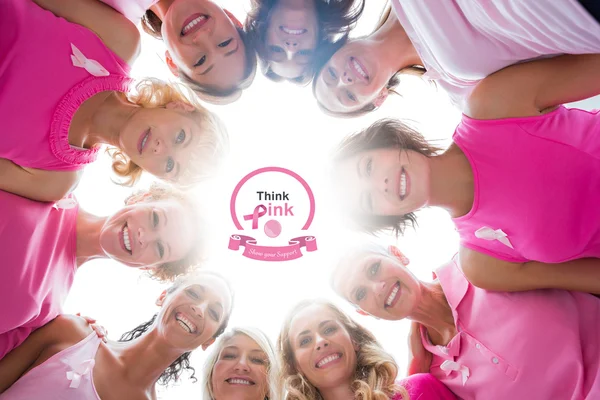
426, 386
69, 327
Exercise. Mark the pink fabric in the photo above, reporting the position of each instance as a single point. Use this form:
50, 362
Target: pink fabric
424, 387
41, 89
540, 344
37, 267
463, 41
538, 180
67, 375
133, 10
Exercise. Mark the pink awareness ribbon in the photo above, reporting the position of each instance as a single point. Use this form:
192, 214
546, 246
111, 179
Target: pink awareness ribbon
83, 370
487, 233
91, 66
449, 366
258, 212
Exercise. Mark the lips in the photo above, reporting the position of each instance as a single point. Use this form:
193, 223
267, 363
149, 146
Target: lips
393, 295
328, 360
292, 31
143, 140
358, 69
238, 380
186, 323
124, 239
193, 23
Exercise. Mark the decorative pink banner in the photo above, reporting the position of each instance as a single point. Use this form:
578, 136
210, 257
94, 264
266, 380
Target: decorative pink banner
272, 253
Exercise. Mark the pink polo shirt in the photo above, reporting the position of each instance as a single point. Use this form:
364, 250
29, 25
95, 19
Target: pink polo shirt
541, 344
462, 41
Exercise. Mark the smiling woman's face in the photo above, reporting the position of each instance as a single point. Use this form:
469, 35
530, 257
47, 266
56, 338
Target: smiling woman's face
291, 37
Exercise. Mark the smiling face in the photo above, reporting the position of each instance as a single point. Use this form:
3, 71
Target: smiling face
322, 347
192, 314
161, 140
148, 234
240, 372
291, 37
379, 285
354, 77
204, 44
384, 181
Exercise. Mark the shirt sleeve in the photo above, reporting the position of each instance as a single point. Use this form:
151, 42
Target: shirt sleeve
426, 387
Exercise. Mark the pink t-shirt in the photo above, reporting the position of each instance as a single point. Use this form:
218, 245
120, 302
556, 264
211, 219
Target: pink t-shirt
424, 387
537, 186
462, 41
41, 88
37, 267
540, 344
133, 10
67, 375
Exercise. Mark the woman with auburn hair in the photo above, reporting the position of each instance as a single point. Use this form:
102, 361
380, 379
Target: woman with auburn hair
294, 38
479, 342
525, 220
325, 355
45, 245
66, 360
242, 366
456, 45
83, 101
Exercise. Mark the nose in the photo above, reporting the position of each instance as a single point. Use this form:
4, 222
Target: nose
144, 237
242, 364
379, 288
199, 309
159, 146
290, 44
321, 342
383, 185
347, 78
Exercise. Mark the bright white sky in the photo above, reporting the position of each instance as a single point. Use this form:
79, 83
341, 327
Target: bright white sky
272, 125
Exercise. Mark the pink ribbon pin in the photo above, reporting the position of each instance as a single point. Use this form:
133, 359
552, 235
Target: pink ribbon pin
487, 233
91, 66
449, 366
83, 370
258, 212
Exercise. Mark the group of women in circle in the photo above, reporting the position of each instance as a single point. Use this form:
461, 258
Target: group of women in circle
515, 314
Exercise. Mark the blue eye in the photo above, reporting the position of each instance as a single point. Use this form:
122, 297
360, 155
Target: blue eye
350, 96
228, 356
259, 361
180, 137
304, 341
192, 293
161, 249
330, 330
360, 294
225, 43
305, 53
200, 61
155, 219
214, 315
332, 73
170, 165
374, 268
276, 49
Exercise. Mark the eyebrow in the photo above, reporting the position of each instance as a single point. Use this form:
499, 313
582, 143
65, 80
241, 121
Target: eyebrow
320, 326
358, 168
233, 51
226, 55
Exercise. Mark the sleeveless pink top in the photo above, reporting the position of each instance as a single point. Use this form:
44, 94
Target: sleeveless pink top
37, 265
537, 186
133, 10
424, 387
48, 68
67, 375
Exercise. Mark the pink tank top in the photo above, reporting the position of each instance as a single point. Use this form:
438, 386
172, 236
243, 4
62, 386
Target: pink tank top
67, 375
46, 73
537, 186
133, 10
37, 265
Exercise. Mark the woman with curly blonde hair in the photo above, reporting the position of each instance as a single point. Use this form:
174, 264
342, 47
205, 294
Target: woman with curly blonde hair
325, 355
55, 122
242, 365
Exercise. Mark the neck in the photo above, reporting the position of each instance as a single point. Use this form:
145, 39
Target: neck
88, 237
339, 392
435, 314
160, 8
108, 120
452, 186
394, 45
156, 354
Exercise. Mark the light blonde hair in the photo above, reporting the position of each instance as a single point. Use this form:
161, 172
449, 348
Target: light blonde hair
160, 192
273, 369
210, 147
375, 373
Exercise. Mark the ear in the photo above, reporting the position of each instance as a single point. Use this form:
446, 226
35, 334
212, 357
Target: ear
179, 105
207, 343
161, 299
363, 312
381, 97
172, 67
233, 19
399, 255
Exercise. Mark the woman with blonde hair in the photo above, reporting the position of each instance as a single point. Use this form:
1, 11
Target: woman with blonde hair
325, 355
82, 101
242, 366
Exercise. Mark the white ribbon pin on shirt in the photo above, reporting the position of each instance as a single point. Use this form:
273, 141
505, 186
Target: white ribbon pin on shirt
91, 66
65, 204
454, 366
84, 369
487, 233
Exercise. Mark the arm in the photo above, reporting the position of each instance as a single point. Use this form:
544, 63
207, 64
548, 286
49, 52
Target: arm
529, 88
36, 184
116, 31
490, 273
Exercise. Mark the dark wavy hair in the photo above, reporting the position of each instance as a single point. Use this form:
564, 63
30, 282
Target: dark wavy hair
385, 134
151, 24
177, 367
336, 18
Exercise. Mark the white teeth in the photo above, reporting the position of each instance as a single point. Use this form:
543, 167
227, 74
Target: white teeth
185, 323
392, 295
292, 31
239, 381
189, 26
403, 184
144, 141
327, 360
184, 326
359, 69
126, 238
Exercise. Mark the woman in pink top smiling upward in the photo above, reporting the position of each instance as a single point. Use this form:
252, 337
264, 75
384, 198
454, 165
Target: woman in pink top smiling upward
521, 178
43, 246
81, 100
539, 344
325, 355
457, 43
66, 360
